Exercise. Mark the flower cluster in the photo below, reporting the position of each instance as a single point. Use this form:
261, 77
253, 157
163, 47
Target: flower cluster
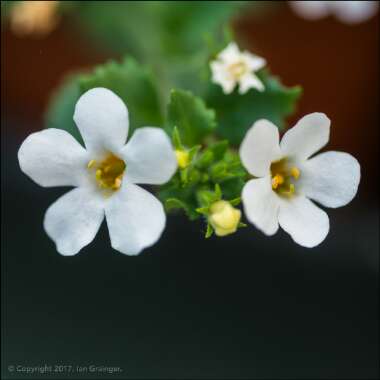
276, 181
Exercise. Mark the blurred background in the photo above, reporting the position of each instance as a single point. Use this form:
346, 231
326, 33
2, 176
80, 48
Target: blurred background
242, 306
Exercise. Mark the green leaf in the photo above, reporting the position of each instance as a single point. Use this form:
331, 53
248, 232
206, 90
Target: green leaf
203, 210
232, 187
219, 149
236, 113
61, 107
235, 201
209, 231
176, 139
191, 116
135, 86
132, 82
174, 203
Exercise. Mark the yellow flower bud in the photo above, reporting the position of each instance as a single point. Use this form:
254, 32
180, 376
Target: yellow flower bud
224, 218
183, 158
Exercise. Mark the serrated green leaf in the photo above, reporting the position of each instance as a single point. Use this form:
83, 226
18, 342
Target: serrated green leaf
135, 86
236, 113
191, 116
133, 83
61, 107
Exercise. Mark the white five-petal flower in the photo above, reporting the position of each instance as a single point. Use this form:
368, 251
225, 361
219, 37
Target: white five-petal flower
288, 179
349, 12
234, 67
105, 176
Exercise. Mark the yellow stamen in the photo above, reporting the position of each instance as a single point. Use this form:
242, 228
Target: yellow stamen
109, 172
295, 172
290, 191
277, 180
91, 164
237, 70
117, 183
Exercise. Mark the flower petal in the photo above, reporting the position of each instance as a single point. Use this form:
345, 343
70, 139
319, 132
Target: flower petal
135, 219
354, 12
250, 81
253, 61
260, 147
221, 77
331, 178
306, 223
74, 219
53, 157
230, 54
311, 10
307, 137
149, 157
261, 205
102, 119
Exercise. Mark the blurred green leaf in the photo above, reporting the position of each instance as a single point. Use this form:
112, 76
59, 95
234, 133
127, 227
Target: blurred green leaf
236, 113
136, 87
191, 116
61, 107
132, 82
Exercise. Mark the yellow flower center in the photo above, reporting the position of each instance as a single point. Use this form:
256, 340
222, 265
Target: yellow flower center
183, 158
284, 177
237, 70
108, 172
224, 218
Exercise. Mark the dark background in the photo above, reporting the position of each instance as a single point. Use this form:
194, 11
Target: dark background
243, 306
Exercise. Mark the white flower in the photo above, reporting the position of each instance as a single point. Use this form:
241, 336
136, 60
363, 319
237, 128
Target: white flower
349, 12
234, 67
289, 178
104, 175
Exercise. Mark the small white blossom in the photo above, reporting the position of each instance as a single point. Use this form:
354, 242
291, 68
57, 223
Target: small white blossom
233, 67
288, 178
104, 175
349, 12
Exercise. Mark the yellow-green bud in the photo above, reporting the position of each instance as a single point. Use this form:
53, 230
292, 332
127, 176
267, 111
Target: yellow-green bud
224, 218
183, 158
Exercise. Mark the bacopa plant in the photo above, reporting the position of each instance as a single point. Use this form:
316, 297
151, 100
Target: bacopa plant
203, 130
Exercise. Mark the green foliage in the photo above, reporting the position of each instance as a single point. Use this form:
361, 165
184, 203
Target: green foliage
236, 113
213, 173
191, 116
135, 86
165, 29
60, 110
131, 81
